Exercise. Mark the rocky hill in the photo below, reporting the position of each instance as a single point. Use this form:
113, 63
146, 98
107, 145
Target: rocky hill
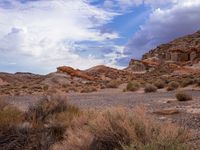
185, 48
102, 72
184, 51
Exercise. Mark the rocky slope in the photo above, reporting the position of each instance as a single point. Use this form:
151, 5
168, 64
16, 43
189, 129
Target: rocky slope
102, 72
184, 51
185, 48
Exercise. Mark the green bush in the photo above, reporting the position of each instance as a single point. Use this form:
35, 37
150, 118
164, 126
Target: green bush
172, 86
132, 86
182, 96
159, 84
150, 88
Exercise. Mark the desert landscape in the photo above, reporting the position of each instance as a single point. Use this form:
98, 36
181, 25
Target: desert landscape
154, 103
99, 74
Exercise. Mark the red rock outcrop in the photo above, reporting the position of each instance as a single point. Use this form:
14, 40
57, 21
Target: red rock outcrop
74, 73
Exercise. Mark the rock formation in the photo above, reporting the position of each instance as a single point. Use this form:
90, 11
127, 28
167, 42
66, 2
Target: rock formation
184, 50
74, 73
102, 72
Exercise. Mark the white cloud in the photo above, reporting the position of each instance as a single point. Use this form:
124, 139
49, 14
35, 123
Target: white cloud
164, 25
44, 32
129, 4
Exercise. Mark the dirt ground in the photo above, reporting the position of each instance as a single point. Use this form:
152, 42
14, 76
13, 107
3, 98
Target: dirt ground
187, 114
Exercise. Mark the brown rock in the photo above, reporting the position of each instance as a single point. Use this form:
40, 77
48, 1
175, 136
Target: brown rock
166, 111
185, 48
74, 73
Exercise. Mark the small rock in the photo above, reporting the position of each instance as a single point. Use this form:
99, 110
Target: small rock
166, 112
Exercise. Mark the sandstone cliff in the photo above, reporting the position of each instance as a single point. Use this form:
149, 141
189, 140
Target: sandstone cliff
183, 51
185, 48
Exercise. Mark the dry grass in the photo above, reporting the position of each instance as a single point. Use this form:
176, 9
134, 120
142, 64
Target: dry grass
173, 85
150, 88
39, 128
182, 96
119, 128
89, 89
186, 82
54, 124
159, 84
113, 84
132, 86
198, 82
9, 115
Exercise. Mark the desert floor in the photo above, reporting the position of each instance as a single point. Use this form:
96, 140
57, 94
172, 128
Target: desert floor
162, 105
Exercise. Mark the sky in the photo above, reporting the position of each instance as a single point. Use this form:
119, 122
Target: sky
40, 35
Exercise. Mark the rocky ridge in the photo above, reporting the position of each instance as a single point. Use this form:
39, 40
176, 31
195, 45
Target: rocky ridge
184, 51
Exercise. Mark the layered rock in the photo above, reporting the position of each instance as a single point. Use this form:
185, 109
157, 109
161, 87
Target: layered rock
183, 49
102, 72
141, 66
74, 73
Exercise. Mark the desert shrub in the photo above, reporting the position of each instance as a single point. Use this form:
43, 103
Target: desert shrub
88, 89
132, 86
150, 88
18, 138
45, 87
24, 87
9, 115
186, 82
120, 128
182, 96
113, 84
159, 84
159, 146
172, 86
198, 82
45, 108
65, 118
39, 128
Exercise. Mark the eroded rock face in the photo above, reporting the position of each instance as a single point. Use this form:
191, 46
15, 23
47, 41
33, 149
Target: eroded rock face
183, 49
143, 65
136, 66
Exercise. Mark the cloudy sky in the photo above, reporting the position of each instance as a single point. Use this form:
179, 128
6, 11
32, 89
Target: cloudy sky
39, 35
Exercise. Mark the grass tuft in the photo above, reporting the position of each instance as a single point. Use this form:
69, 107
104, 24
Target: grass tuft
150, 88
172, 86
132, 86
182, 96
